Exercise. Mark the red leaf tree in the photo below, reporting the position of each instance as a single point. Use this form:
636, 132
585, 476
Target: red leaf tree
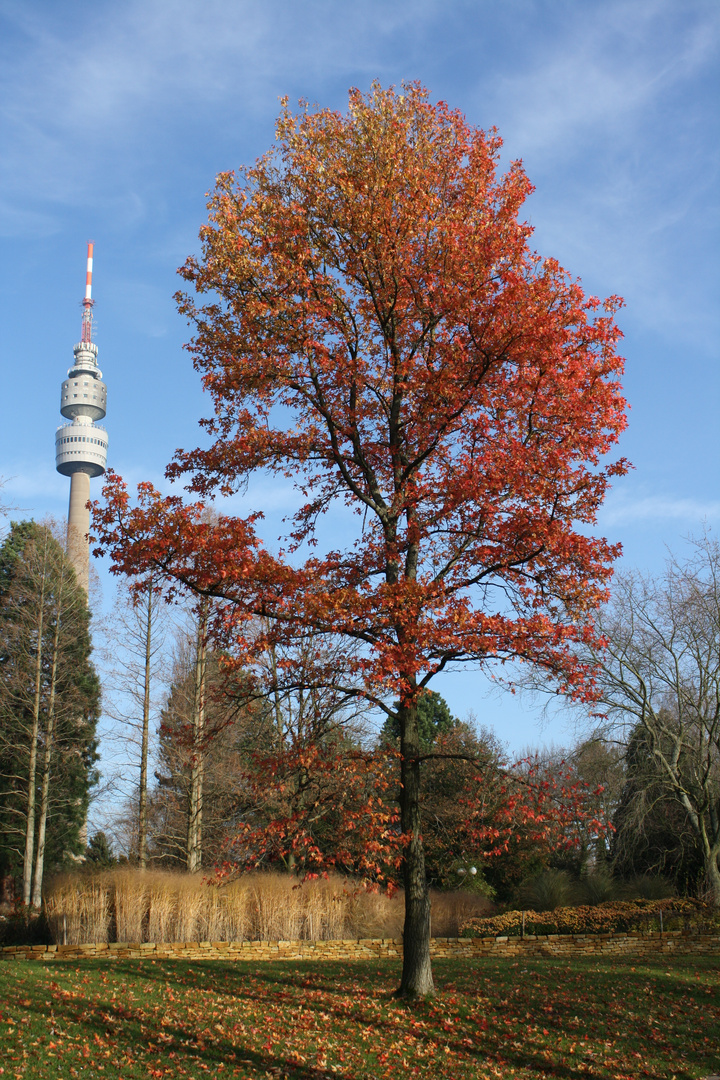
378, 329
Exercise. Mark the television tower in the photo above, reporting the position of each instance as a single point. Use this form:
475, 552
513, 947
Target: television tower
81, 446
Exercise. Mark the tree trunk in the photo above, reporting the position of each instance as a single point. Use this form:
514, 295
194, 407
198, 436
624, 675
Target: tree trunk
195, 815
142, 799
706, 832
712, 871
32, 765
276, 693
47, 762
417, 979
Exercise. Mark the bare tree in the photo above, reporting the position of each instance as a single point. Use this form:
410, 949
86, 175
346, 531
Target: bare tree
661, 671
5, 508
306, 706
652, 833
137, 670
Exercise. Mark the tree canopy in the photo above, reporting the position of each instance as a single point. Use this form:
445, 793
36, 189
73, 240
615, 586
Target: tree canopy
376, 327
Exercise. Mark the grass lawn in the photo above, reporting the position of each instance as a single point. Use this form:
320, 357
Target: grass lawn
491, 1018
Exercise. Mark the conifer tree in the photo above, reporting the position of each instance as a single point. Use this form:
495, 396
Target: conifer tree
49, 704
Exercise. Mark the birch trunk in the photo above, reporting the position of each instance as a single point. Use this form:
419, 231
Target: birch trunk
197, 775
47, 763
276, 693
145, 741
35, 731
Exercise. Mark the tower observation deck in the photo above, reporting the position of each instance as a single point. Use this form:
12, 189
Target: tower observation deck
81, 445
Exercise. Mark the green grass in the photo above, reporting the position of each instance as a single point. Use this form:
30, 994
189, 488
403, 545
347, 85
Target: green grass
606, 1019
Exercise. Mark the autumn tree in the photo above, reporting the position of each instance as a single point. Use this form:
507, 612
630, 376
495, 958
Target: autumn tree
378, 329
595, 768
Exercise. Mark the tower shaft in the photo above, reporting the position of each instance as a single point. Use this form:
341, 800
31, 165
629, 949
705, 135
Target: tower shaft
78, 527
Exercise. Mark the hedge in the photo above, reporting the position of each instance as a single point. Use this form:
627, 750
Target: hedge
612, 917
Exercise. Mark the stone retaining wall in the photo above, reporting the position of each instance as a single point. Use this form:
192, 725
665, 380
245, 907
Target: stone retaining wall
630, 944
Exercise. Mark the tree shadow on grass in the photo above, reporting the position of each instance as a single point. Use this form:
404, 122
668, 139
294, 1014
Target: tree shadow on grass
139, 1038
224, 978
495, 1036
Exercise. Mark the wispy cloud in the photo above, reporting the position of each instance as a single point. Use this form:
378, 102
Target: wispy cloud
34, 488
605, 112
601, 72
83, 91
16, 220
622, 510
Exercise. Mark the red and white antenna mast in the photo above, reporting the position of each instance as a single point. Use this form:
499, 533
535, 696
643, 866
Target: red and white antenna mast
88, 301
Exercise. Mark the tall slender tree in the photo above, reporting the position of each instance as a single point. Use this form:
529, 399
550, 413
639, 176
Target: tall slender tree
138, 670
208, 735
199, 747
379, 329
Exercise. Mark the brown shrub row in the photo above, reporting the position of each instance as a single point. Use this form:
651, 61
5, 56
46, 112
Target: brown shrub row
613, 917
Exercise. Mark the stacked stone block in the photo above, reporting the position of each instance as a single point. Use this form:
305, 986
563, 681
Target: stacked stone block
621, 944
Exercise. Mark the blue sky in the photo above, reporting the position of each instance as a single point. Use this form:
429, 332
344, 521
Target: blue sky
116, 116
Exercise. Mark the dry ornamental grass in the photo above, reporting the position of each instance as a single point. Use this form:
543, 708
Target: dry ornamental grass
128, 905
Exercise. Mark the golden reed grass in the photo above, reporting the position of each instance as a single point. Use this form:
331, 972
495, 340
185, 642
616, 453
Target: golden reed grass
131, 905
